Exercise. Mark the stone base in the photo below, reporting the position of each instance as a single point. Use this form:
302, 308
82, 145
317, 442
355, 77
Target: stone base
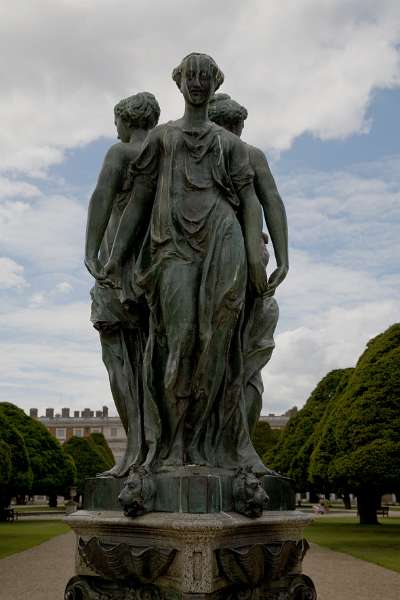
189, 489
163, 556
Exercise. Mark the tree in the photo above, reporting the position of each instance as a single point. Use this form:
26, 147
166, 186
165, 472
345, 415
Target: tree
359, 446
292, 453
264, 437
16, 473
291, 412
89, 460
52, 471
5, 464
100, 443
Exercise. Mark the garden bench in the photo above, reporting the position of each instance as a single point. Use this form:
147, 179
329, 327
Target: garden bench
10, 515
383, 510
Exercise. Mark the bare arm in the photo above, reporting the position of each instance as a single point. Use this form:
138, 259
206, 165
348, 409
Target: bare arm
134, 219
100, 207
274, 214
136, 215
252, 229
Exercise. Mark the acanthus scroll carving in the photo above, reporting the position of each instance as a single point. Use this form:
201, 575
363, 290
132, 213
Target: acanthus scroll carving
95, 588
295, 587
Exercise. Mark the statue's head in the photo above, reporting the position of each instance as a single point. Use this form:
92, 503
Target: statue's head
198, 77
227, 113
140, 111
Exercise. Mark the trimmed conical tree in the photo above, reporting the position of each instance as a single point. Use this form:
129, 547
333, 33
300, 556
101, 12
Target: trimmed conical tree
100, 443
52, 471
291, 455
359, 446
89, 460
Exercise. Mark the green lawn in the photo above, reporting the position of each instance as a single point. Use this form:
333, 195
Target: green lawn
27, 508
379, 544
18, 536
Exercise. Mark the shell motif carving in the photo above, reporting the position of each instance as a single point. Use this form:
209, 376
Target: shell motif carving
252, 565
122, 560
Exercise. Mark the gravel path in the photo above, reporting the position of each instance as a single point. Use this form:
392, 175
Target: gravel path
338, 576
41, 573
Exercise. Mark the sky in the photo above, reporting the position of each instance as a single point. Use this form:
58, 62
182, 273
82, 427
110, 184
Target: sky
321, 82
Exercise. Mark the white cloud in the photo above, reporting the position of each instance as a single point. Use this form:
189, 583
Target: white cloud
10, 188
63, 287
43, 374
330, 339
45, 297
314, 285
61, 321
38, 299
51, 357
11, 274
48, 232
343, 285
304, 66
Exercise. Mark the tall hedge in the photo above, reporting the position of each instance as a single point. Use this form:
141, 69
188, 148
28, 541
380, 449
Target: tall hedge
89, 460
292, 453
52, 471
16, 475
359, 445
100, 443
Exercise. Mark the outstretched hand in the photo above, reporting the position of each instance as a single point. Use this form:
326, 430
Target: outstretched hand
107, 276
95, 268
111, 275
276, 279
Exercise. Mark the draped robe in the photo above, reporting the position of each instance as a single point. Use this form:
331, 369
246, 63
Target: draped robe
193, 271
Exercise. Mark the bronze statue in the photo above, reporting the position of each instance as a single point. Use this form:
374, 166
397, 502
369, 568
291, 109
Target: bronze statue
117, 311
194, 193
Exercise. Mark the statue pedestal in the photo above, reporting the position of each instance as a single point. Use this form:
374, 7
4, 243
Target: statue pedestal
189, 489
179, 555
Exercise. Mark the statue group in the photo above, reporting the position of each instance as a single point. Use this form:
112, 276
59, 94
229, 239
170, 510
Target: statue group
186, 316
184, 307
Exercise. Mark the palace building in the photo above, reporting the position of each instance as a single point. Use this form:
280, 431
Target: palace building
83, 423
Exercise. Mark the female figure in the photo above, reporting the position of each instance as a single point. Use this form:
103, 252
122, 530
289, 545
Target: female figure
122, 320
192, 181
261, 313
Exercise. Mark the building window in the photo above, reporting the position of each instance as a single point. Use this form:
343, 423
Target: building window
95, 430
77, 431
114, 432
60, 433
